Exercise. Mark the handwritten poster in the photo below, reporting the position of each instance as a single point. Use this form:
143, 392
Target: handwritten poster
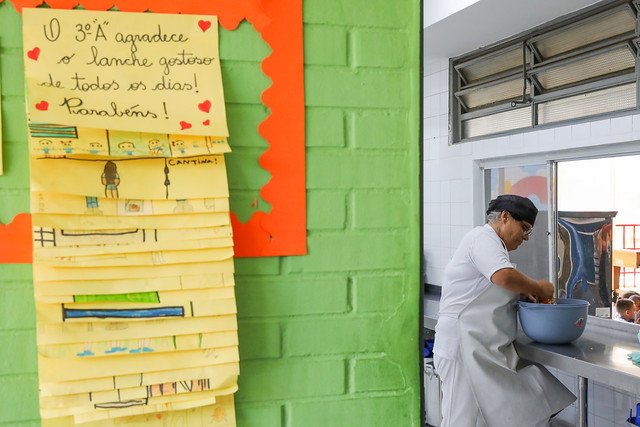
133, 248
122, 71
146, 178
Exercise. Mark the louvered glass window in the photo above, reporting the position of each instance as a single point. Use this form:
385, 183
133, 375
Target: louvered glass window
583, 66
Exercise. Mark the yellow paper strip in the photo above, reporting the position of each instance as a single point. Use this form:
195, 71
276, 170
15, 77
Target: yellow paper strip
223, 370
112, 312
83, 418
140, 258
65, 333
158, 345
221, 414
101, 222
164, 297
188, 178
56, 238
60, 203
164, 389
56, 370
121, 286
55, 252
148, 395
50, 140
104, 273
115, 409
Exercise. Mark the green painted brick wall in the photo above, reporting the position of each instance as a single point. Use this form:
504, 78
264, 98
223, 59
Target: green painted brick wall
328, 339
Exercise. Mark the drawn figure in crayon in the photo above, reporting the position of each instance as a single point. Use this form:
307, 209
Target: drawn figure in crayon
154, 147
95, 147
212, 143
178, 144
67, 146
110, 180
45, 144
87, 350
143, 347
127, 147
164, 389
115, 348
133, 206
92, 205
189, 386
210, 204
183, 205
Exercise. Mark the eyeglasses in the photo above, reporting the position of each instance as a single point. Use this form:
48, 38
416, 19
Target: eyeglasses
526, 230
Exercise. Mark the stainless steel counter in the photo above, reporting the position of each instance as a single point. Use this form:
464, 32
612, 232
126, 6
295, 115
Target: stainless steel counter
600, 354
594, 356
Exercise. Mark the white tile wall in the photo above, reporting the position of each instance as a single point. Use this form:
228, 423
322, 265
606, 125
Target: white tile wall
600, 128
581, 132
636, 123
622, 125
448, 202
562, 134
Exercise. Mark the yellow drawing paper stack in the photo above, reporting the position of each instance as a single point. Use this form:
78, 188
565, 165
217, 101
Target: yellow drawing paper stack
133, 250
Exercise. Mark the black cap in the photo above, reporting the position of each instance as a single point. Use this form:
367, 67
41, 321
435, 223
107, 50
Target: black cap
520, 208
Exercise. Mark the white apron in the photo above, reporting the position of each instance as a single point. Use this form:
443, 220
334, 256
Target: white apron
509, 391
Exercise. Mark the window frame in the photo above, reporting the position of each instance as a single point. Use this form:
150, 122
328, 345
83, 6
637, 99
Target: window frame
457, 115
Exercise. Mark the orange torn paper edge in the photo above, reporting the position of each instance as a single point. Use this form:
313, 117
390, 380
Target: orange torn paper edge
15, 241
282, 231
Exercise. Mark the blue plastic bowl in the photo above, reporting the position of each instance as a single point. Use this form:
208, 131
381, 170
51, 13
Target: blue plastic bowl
558, 323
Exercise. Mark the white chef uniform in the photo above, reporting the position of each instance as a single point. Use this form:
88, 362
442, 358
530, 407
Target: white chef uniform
484, 381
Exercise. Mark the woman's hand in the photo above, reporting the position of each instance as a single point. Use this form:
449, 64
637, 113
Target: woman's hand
528, 297
546, 292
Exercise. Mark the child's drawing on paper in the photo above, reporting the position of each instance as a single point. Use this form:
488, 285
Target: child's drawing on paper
178, 145
155, 149
134, 289
127, 147
143, 347
116, 347
110, 180
182, 206
92, 205
45, 145
67, 146
87, 350
95, 147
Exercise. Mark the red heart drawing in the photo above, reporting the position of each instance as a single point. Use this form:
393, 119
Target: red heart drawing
34, 53
206, 122
42, 105
204, 25
205, 106
184, 125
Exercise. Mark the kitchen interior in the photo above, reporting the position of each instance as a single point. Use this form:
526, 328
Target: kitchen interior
581, 171
595, 211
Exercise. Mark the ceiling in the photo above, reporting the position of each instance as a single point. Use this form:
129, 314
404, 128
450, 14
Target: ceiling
480, 23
